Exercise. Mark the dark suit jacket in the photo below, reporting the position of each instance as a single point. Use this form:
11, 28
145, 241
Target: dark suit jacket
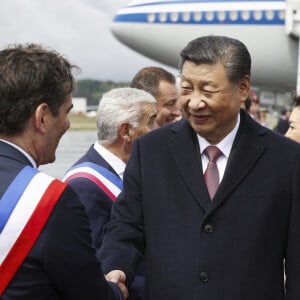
96, 202
229, 249
62, 262
98, 206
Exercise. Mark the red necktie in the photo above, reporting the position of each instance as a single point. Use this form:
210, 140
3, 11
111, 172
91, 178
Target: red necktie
211, 175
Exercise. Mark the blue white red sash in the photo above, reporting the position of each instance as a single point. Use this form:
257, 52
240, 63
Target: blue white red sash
106, 180
24, 210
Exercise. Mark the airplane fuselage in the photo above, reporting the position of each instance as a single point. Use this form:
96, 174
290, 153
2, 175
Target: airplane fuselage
160, 30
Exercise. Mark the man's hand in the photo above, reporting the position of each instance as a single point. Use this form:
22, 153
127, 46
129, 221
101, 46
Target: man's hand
119, 278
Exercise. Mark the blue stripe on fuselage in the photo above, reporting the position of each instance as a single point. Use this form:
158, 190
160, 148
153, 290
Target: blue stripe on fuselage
144, 18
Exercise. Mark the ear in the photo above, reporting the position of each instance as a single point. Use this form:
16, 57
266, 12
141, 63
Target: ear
124, 131
41, 117
244, 88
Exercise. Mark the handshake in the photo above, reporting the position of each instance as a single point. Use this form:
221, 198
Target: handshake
119, 278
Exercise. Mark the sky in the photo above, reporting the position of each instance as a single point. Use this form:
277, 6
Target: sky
78, 29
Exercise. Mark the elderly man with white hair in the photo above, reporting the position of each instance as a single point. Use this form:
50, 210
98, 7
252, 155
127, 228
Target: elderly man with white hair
124, 114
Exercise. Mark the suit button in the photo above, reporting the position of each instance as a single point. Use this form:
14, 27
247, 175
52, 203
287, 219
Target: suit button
203, 276
208, 228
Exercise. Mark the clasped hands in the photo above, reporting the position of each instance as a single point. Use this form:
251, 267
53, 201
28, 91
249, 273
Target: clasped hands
119, 278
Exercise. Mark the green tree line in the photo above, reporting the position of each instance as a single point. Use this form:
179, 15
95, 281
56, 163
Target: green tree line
93, 90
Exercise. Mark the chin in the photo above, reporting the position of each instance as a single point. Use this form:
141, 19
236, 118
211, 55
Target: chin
51, 160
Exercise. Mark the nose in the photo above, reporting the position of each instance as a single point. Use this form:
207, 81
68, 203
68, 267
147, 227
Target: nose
196, 103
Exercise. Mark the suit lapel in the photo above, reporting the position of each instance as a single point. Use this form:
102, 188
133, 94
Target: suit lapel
185, 150
247, 149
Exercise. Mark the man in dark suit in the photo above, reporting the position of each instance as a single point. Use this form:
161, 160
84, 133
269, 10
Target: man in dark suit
283, 122
161, 84
124, 114
234, 242
46, 250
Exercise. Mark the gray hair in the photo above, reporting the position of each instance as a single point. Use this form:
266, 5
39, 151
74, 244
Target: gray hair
120, 105
231, 53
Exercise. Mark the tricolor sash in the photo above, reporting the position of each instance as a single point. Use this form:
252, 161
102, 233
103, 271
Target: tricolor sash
106, 180
24, 210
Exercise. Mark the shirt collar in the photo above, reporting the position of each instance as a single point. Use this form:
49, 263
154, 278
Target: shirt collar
225, 144
29, 157
115, 162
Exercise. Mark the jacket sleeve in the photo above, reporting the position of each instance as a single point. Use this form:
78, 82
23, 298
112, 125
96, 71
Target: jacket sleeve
97, 206
69, 258
292, 259
123, 242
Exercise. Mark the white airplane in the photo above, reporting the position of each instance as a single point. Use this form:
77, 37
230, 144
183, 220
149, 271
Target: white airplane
160, 29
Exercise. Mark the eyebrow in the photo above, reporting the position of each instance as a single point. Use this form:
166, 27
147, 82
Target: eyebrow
204, 82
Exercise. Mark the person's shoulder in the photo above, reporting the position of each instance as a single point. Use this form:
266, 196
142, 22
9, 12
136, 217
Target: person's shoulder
67, 210
89, 192
83, 184
68, 201
85, 156
281, 143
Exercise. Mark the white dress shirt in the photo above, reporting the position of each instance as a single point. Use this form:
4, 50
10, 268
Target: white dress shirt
115, 162
225, 146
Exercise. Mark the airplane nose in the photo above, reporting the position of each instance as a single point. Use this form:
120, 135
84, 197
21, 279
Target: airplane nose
147, 39
121, 32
